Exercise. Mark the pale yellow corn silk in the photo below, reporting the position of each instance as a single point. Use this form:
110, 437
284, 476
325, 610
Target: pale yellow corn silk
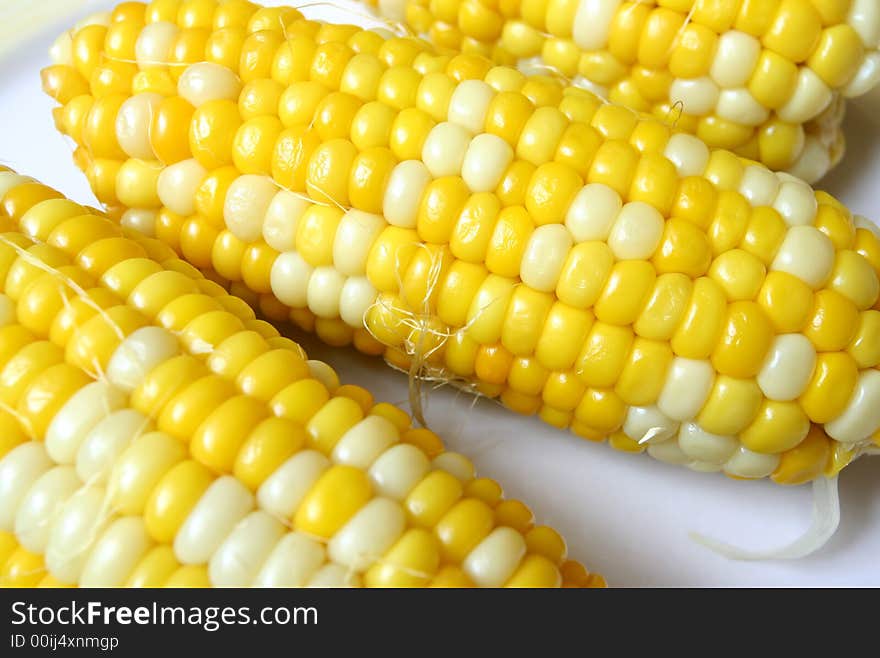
154, 432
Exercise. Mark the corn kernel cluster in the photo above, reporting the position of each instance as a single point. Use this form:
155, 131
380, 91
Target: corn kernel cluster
764, 78
563, 254
153, 433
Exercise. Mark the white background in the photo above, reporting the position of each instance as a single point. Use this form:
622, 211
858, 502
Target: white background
625, 516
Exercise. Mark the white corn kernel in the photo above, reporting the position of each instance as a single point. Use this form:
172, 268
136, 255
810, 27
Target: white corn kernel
592, 23
245, 206
355, 235
648, 425
861, 417
495, 559
668, 452
223, 505
636, 232
787, 367
324, 374
333, 575
444, 149
698, 96
689, 154
116, 553
544, 256
592, 212
735, 58
207, 81
688, 384
241, 555
8, 180
295, 559
864, 17
133, 125
739, 106
398, 470
469, 103
356, 298
403, 193
361, 445
138, 354
178, 184
866, 78
154, 43
106, 441
806, 253
284, 490
747, 464
796, 202
139, 469
393, 10
810, 98
140, 220
759, 185
455, 464
813, 162
705, 447
281, 220
485, 161
704, 467
20, 468
289, 279
61, 50
80, 413
76, 528
324, 291
39, 506
368, 535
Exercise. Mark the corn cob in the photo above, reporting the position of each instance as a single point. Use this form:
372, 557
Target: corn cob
154, 432
766, 79
562, 254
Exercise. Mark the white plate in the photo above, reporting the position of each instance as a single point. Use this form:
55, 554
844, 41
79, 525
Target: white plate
625, 516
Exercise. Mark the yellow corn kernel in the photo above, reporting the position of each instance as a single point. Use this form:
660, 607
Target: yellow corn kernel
604, 354
834, 379
764, 234
411, 562
838, 55
615, 165
584, 274
512, 230
644, 373
773, 79
778, 426
22, 569
564, 330
492, 364
625, 291
429, 501
440, 208
174, 497
331, 421
833, 321
805, 461
220, 436
664, 307
698, 331
459, 530
731, 406
739, 273
743, 356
